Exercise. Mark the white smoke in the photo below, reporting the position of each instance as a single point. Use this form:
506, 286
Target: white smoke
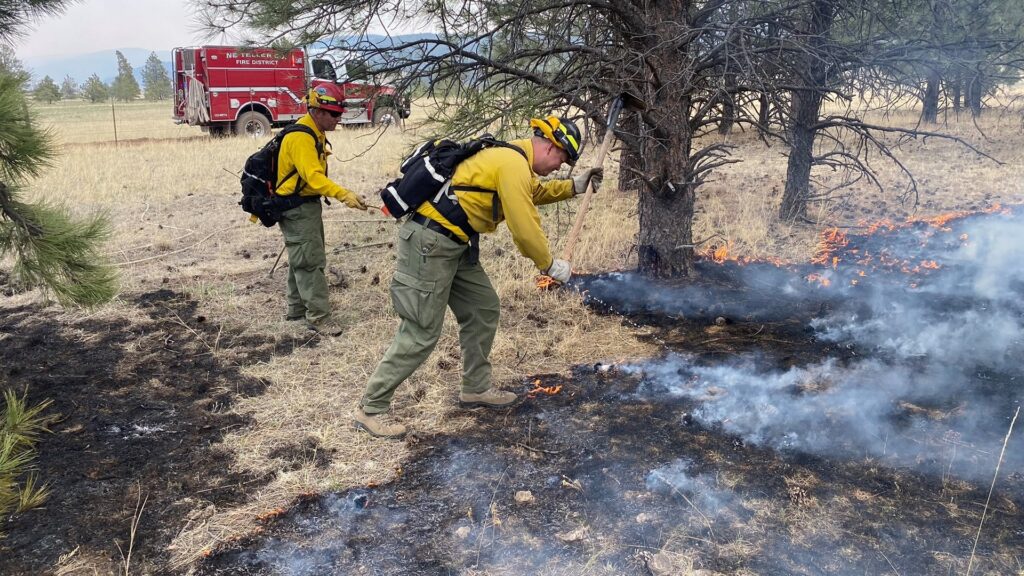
928, 379
864, 409
968, 314
677, 481
933, 366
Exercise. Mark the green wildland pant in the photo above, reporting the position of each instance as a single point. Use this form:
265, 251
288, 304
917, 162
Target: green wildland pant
303, 230
434, 272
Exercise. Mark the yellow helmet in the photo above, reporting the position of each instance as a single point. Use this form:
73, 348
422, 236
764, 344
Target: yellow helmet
562, 132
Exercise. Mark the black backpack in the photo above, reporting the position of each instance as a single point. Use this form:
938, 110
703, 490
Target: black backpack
259, 181
429, 169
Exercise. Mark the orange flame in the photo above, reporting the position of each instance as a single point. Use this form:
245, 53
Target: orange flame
538, 388
885, 224
545, 282
821, 280
834, 244
831, 240
721, 253
269, 515
942, 220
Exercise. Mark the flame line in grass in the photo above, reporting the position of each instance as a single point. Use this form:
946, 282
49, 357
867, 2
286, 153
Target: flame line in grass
834, 248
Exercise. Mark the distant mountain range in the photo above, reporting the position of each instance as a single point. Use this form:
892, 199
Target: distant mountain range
104, 63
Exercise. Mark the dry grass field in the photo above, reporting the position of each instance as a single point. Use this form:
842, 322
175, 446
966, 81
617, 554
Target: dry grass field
179, 237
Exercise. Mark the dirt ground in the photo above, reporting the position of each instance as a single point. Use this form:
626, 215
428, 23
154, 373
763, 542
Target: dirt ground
141, 402
148, 391
190, 394
579, 482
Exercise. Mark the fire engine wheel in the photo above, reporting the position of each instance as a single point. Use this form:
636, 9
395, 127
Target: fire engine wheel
385, 116
252, 124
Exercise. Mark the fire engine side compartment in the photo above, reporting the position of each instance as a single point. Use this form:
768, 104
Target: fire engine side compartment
261, 80
214, 85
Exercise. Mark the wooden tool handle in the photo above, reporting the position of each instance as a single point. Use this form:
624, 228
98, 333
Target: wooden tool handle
577, 226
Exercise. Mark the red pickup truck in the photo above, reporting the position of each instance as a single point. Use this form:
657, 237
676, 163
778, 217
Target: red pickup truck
234, 90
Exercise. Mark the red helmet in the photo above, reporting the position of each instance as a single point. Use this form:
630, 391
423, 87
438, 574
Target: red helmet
326, 96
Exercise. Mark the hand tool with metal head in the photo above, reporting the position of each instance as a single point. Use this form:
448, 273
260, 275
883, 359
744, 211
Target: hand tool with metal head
624, 100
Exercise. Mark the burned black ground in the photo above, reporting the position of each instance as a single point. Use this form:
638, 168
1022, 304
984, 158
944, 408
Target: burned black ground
616, 476
142, 406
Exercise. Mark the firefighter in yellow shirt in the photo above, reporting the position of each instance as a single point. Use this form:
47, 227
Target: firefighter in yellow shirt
438, 267
303, 226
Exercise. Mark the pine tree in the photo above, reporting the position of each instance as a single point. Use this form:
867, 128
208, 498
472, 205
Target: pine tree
9, 63
46, 91
95, 90
69, 88
50, 249
125, 86
155, 79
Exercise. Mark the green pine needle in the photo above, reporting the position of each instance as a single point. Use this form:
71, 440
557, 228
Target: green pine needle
58, 253
32, 495
20, 429
52, 250
25, 149
22, 422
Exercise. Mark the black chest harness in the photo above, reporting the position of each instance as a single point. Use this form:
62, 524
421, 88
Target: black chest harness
426, 177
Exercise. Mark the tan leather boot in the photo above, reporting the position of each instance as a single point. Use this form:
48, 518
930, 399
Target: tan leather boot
378, 425
326, 327
490, 398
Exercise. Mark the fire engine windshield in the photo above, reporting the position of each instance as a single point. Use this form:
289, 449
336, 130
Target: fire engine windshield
323, 69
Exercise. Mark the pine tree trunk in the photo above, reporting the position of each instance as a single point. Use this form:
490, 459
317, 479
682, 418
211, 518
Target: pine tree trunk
666, 203
930, 102
764, 113
955, 89
665, 244
666, 234
728, 105
629, 158
974, 90
806, 108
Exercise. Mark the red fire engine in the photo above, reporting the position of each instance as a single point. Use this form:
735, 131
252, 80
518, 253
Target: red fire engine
233, 90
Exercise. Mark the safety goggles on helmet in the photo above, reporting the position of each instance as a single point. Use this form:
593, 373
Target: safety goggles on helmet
326, 97
563, 133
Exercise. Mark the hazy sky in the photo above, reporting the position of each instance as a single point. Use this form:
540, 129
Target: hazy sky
94, 25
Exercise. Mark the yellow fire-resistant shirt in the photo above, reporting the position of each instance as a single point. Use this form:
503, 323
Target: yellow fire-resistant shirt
519, 193
299, 151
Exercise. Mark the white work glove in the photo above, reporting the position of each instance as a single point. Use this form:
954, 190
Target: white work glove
593, 176
560, 270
